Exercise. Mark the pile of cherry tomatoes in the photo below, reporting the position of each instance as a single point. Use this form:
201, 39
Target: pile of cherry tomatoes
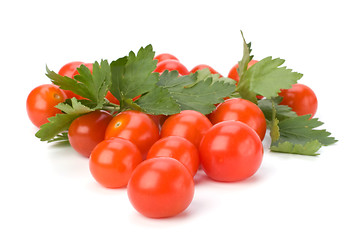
157, 157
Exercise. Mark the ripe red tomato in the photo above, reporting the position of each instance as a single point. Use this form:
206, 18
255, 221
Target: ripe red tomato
178, 148
188, 124
233, 73
171, 64
86, 131
240, 110
69, 68
41, 102
202, 66
113, 161
160, 187
165, 56
230, 151
300, 98
135, 126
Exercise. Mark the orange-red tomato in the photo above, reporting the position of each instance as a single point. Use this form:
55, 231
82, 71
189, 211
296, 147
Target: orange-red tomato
112, 162
240, 110
160, 187
230, 151
233, 73
41, 102
171, 65
86, 131
202, 66
188, 124
165, 56
300, 98
178, 148
135, 126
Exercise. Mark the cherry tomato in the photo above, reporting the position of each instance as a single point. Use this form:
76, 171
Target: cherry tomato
165, 56
160, 187
171, 64
178, 148
135, 126
69, 68
112, 162
240, 110
234, 73
300, 98
41, 102
109, 96
202, 66
86, 131
189, 124
230, 151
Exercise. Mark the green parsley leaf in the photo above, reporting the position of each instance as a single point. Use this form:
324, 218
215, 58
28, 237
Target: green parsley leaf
193, 93
133, 75
93, 86
243, 63
298, 135
267, 78
281, 111
61, 122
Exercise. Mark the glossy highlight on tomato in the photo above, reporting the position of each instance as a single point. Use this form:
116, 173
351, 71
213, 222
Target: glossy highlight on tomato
135, 126
86, 131
230, 151
300, 98
178, 148
160, 187
112, 162
41, 102
171, 65
189, 124
240, 110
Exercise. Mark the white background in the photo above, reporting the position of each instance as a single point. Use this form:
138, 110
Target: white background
47, 191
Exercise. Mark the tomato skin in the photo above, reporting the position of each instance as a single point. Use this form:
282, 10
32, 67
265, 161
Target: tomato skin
86, 131
160, 187
300, 98
230, 151
202, 66
135, 126
240, 110
178, 148
171, 64
189, 124
233, 73
112, 162
41, 102
165, 56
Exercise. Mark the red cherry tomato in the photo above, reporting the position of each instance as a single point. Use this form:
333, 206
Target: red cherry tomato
233, 73
240, 110
86, 131
165, 56
230, 151
202, 66
171, 65
300, 98
178, 148
109, 96
160, 187
189, 124
112, 162
135, 126
41, 102
69, 69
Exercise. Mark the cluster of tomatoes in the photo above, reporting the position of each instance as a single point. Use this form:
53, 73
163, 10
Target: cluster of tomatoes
157, 157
